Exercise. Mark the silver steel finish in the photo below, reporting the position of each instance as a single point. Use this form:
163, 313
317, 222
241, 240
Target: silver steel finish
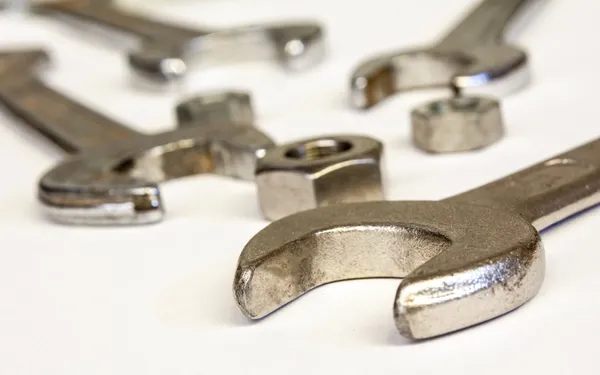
463, 260
319, 172
472, 58
456, 124
217, 108
114, 174
166, 48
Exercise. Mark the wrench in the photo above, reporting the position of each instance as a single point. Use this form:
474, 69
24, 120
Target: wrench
463, 260
472, 59
112, 177
166, 48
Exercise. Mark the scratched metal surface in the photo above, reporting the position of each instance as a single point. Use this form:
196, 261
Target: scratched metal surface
158, 300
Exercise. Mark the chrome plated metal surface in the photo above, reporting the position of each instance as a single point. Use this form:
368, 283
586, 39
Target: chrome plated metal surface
471, 59
167, 48
228, 107
319, 172
113, 176
463, 260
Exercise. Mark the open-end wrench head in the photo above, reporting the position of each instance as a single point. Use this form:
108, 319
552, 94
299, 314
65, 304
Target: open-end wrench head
495, 70
297, 46
462, 264
120, 200
166, 48
118, 184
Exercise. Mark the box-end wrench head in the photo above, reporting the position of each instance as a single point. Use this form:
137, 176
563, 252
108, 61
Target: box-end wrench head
166, 49
463, 260
471, 59
114, 174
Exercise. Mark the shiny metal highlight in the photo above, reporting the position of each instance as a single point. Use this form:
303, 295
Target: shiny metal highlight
471, 59
463, 260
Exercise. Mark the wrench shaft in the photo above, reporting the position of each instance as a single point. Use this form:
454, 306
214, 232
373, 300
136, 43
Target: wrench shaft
70, 125
484, 25
548, 192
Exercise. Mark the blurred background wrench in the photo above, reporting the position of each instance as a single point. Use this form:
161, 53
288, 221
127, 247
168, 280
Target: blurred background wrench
471, 59
463, 260
166, 48
112, 177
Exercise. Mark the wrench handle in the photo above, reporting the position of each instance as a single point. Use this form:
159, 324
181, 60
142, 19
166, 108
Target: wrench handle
548, 192
70, 125
484, 25
108, 15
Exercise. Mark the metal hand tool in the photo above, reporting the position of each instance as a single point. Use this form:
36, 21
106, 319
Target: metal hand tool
463, 260
113, 177
472, 58
166, 48
300, 175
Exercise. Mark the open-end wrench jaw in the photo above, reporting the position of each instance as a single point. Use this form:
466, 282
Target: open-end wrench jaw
463, 260
494, 70
113, 176
472, 58
296, 46
119, 184
166, 49
476, 260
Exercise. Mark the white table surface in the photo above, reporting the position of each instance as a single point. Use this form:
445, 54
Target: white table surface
158, 299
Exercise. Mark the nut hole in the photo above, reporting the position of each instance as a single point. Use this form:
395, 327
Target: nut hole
319, 149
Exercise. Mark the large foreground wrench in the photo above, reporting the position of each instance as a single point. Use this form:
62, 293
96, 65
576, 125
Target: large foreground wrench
471, 58
166, 47
113, 177
464, 260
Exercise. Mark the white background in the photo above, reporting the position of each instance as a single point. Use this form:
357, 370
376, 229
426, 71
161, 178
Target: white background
158, 299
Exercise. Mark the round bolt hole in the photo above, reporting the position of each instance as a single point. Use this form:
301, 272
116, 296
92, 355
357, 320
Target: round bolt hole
318, 149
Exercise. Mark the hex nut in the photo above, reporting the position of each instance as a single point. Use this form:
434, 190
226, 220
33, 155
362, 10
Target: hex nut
457, 124
318, 172
216, 108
